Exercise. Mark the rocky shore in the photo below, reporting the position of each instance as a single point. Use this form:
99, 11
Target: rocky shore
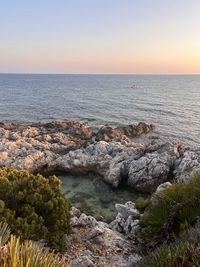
119, 155
130, 155
97, 243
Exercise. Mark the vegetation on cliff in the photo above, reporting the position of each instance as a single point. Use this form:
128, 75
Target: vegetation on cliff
34, 207
13, 252
183, 252
176, 209
142, 203
172, 220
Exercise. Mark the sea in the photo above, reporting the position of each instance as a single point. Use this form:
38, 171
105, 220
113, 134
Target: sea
171, 102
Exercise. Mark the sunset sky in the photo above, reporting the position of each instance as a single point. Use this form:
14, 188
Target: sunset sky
100, 36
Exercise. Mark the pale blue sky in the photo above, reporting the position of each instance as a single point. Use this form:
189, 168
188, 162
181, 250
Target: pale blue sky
100, 36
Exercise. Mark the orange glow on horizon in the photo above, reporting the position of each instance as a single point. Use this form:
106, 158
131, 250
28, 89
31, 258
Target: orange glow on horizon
168, 60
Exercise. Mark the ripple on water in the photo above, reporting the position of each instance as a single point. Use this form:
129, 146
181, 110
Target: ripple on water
93, 196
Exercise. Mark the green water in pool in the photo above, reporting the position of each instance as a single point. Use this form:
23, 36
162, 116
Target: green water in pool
94, 197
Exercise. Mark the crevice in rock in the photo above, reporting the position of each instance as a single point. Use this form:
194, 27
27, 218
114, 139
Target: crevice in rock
171, 175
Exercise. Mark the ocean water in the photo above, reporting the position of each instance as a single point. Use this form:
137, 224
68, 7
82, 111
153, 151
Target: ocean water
172, 103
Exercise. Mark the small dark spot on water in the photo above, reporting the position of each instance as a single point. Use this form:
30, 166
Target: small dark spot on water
75, 185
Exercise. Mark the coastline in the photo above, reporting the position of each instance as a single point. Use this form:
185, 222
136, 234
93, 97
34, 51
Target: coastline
130, 155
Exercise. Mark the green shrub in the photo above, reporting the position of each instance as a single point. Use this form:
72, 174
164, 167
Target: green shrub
14, 253
142, 203
4, 233
182, 255
177, 208
184, 252
34, 207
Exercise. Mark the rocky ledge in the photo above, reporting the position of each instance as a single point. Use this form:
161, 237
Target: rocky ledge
95, 243
119, 155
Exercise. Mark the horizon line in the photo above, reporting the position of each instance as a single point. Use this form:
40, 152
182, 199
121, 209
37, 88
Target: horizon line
62, 73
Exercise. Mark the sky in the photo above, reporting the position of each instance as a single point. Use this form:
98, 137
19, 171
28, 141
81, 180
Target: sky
100, 36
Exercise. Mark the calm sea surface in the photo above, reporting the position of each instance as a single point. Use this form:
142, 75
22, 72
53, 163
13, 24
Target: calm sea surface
172, 103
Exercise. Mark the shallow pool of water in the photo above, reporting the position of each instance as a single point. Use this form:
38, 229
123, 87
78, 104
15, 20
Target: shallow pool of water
94, 197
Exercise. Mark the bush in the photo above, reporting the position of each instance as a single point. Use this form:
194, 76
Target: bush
34, 207
184, 252
180, 255
27, 254
142, 203
178, 208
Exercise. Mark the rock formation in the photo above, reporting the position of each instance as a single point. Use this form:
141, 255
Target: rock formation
98, 244
116, 154
119, 157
